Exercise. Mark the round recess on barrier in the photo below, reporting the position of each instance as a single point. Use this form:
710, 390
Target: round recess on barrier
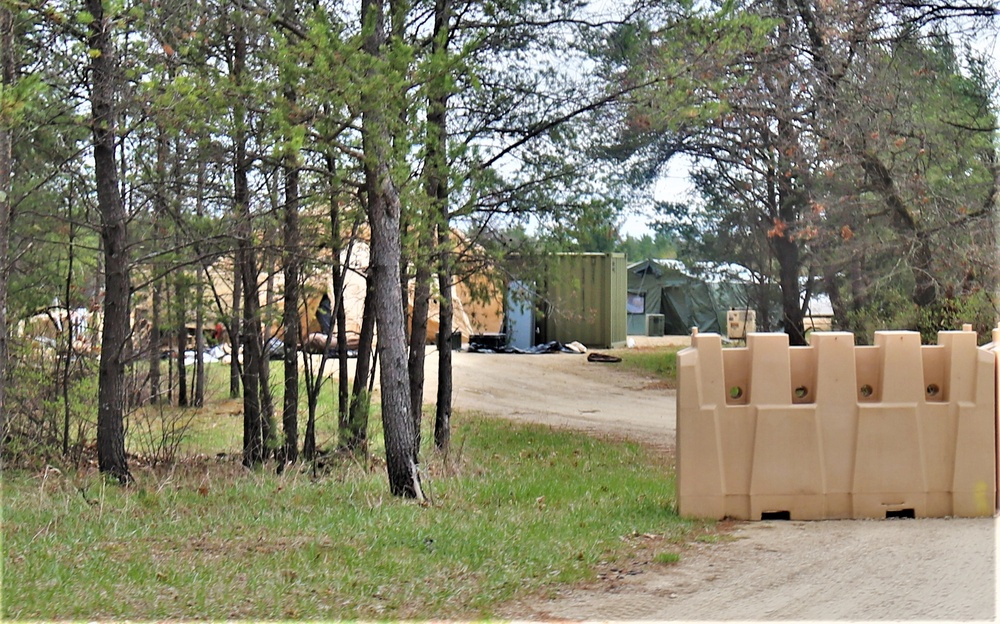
867, 391
933, 390
801, 392
735, 393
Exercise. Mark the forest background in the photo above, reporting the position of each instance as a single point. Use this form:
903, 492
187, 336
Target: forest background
149, 150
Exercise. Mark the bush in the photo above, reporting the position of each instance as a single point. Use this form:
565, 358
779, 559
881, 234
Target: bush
158, 431
50, 404
896, 311
950, 313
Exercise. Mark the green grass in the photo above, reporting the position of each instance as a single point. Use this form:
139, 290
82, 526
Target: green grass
667, 558
513, 510
714, 538
660, 362
218, 427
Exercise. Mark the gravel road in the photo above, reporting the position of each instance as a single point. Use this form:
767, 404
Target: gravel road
928, 569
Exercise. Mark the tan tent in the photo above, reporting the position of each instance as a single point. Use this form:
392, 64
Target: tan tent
479, 313
471, 314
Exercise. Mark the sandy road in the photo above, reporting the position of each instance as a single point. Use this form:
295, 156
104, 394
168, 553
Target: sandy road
563, 390
837, 570
936, 569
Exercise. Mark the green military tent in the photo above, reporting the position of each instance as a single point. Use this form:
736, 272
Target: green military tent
668, 288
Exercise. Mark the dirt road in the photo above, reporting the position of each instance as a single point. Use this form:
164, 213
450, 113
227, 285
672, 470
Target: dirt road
837, 570
564, 390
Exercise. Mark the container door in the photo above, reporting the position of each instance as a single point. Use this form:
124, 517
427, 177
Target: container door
520, 316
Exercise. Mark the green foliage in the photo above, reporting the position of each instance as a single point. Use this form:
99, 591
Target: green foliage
660, 362
679, 73
36, 406
667, 558
890, 170
514, 510
893, 310
950, 313
16, 100
593, 229
660, 245
926, 167
85, 18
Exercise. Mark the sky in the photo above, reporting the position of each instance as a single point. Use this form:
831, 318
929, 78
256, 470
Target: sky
673, 185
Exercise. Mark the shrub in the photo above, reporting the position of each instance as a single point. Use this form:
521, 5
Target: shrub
50, 404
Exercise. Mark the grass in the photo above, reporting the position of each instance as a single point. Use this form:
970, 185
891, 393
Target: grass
514, 510
218, 427
714, 538
660, 362
667, 558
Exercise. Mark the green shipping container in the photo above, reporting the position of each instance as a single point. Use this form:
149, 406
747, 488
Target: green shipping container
585, 296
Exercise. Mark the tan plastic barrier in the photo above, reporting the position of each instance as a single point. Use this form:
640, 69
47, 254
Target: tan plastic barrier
837, 431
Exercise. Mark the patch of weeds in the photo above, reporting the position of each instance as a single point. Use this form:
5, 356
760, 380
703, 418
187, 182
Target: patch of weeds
715, 538
660, 362
516, 510
667, 558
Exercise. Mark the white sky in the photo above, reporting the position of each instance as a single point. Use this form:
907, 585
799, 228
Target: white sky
673, 185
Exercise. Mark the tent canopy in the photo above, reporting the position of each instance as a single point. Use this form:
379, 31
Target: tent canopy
666, 287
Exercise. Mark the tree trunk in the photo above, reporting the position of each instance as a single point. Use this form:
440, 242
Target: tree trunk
292, 263
384, 220
199, 310
180, 332
290, 406
253, 428
343, 385
105, 81
338, 275
784, 200
178, 316
159, 213
442, 415
168, 337
235, 330
181, 285
198, 396
253, 424
437, 191
786, 252
418, 325
7, 77
314, 382
397, 423
355, 437
268, 430
154, 343
833, 287
67, 297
